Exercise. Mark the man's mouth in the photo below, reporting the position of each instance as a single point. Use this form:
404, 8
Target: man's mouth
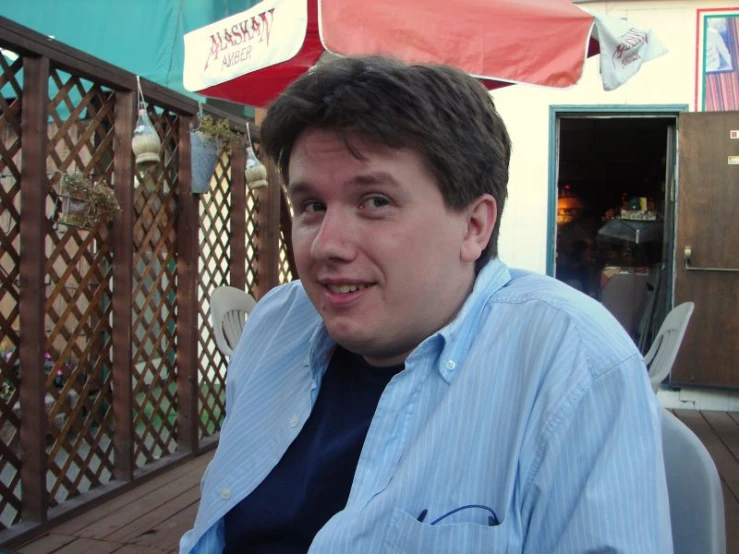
345, 289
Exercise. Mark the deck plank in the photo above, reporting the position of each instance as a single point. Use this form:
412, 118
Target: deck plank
727, 465
129, 549
166, 535
136, 504
727, 429
107, 528
47, 544
141, 526
725, 461
88, 546
731, 518
92, 518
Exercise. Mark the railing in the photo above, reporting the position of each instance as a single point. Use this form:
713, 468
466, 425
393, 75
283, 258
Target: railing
109, 372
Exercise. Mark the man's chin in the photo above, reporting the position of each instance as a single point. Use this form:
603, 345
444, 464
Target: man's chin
369, 351
356, 343
351, 342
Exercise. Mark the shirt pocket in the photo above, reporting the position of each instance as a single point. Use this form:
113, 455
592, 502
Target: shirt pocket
407, 535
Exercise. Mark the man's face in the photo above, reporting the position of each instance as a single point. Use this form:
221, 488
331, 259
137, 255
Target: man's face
383, 260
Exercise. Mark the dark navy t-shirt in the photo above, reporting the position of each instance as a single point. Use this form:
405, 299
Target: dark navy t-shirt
313, 479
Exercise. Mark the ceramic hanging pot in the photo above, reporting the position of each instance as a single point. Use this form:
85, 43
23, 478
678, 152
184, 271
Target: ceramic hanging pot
256, 173
146, 143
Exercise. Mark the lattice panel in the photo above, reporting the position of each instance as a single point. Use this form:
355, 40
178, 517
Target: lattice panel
78, 297
286, 274
10, 208
214, 263
154, 300
252, 228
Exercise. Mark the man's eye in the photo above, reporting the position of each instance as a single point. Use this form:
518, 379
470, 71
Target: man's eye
312, 207
376, 202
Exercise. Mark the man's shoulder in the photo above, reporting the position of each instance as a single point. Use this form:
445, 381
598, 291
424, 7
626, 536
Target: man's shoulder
277, 332
287, 297
286, 312
525, 286
530, 298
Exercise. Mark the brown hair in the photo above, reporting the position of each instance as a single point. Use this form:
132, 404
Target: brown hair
441, 113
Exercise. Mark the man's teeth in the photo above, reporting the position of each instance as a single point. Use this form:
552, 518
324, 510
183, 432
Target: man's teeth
345, 289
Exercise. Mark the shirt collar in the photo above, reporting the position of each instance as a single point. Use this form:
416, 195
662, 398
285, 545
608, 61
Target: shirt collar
321, 348
457, 336
452, 341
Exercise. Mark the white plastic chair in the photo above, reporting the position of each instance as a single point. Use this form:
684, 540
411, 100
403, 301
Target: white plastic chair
694, 487
661, 355
229, 308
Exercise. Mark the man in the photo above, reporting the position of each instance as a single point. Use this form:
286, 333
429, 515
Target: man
411, 393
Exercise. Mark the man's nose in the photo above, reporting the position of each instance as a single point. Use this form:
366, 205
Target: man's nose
333, 240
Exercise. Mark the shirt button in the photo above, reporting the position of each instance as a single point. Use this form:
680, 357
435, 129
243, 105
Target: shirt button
293, 421
450, 364
225, 494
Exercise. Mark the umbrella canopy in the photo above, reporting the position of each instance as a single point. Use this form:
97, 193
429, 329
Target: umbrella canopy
634, 231
251, 57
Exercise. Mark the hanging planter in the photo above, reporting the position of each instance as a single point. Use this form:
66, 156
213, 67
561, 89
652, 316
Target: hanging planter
256, 173
206, 142
145, 143
204, 155
85, 204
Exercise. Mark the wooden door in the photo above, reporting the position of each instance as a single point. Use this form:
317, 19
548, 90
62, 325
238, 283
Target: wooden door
708, 225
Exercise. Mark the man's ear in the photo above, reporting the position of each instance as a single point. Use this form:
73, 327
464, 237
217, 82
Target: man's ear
481, 217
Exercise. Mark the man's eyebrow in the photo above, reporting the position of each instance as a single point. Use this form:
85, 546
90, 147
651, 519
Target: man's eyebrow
298, 187
374, 178
363, 179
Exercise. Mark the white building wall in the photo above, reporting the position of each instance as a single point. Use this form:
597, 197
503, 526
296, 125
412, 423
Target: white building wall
669, 79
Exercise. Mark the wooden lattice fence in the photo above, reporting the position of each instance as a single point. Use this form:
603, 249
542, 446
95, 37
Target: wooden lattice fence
109, 370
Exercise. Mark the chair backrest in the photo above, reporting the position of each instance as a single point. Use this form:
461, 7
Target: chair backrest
661, 355
229, 308
694, 487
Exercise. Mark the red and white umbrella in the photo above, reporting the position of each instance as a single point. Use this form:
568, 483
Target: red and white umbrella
252, 56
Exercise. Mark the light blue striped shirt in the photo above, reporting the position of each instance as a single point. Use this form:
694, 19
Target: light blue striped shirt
533, 402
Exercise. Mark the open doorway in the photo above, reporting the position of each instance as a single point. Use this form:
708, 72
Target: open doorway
615, 214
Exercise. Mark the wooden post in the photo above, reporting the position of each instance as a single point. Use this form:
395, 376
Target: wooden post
188, 277
268, 236
286, 225
122, 243
237, 240
34, 184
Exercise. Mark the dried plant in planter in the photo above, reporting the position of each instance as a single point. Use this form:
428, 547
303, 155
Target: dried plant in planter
85, 204
218, 130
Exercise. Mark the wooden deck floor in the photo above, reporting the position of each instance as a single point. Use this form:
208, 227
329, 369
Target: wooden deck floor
151, 518
719, 432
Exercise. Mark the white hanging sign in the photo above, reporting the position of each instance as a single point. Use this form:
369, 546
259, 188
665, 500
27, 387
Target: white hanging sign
269, 33
623, 48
